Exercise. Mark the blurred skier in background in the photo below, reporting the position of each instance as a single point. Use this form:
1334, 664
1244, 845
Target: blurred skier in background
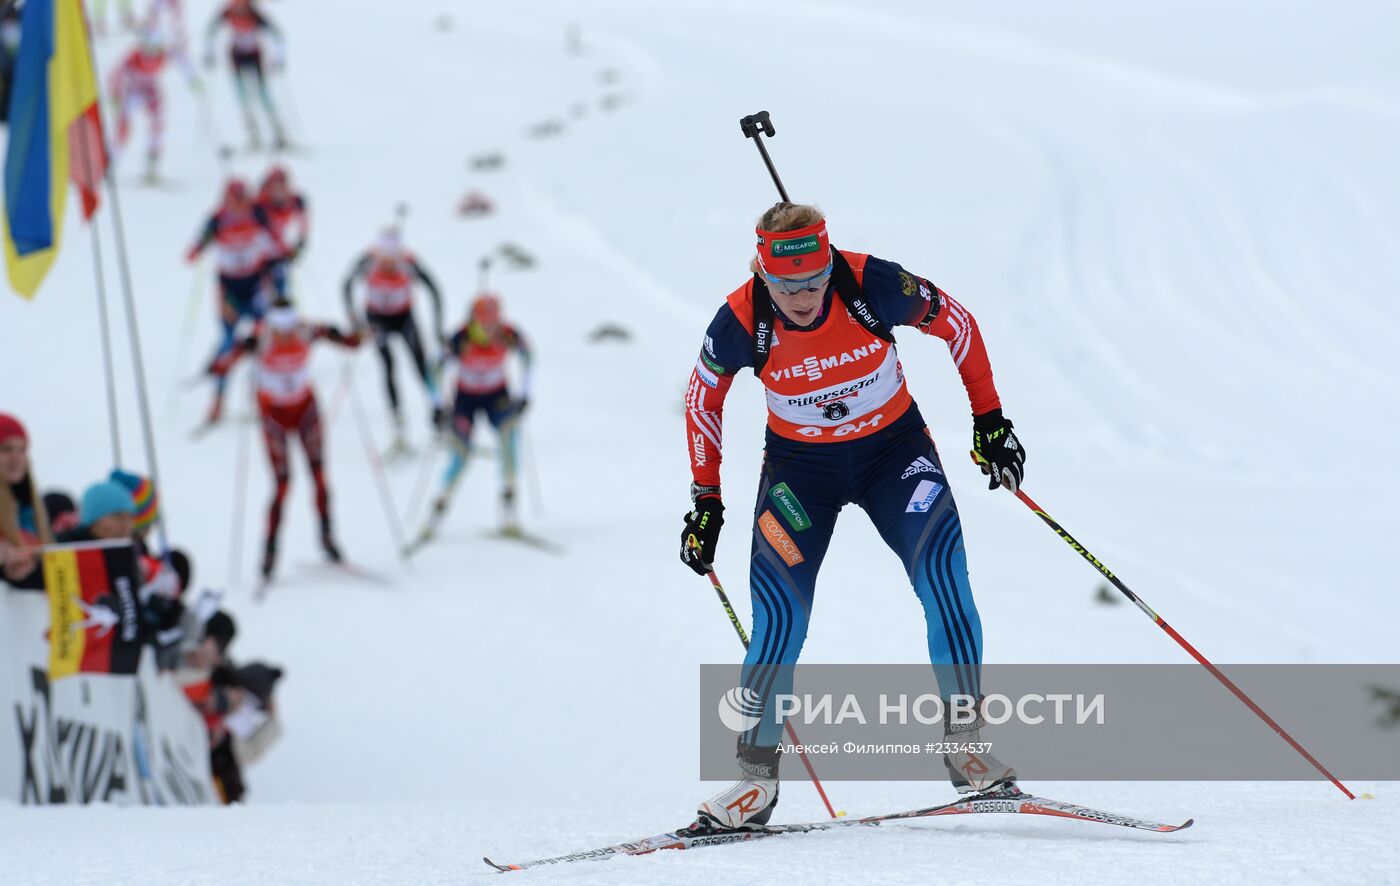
247, 26
135, 85
291, 225
244, 242
480, 350
126, 18
814, 324
390, 272
287, 403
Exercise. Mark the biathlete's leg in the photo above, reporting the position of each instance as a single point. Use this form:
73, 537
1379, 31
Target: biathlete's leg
380, 326
506, 420
275, 437
463, 412
157, 131
796, 512
235, 295
907, 497
278, 133
312, 440
793, 520
409, 331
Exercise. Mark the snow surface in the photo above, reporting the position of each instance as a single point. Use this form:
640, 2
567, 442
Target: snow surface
1176, 226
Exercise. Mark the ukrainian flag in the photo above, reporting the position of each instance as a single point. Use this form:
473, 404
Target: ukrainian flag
55, 135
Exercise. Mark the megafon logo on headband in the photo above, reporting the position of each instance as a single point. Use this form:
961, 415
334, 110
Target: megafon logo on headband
799, 246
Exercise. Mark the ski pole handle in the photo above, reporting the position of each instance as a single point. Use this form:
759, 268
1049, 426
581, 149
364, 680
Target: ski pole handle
755, 126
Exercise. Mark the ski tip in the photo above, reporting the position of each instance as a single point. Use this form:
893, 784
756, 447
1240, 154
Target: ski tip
1183, 826
499, 867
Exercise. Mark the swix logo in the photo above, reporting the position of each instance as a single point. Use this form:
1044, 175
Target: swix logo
856, 427
920, 465
815, 367
697, 447
740, 709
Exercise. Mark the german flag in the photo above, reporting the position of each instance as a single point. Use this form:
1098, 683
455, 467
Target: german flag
93, 622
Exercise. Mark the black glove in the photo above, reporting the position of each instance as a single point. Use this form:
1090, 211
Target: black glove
520, 404
701, 534
997, 451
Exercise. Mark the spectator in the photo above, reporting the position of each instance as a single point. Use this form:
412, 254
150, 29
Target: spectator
143, 496
24, 522
107, 512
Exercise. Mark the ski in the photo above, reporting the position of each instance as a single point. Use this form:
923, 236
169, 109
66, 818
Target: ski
529, 539
352, 570
1008, 801
399, 450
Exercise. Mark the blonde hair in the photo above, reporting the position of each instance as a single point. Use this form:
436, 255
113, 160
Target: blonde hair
9, 513
783, 216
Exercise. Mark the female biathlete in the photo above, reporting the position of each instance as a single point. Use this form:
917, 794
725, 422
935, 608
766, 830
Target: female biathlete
813, 322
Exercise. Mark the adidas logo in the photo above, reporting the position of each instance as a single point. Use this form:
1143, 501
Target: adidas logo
920, 465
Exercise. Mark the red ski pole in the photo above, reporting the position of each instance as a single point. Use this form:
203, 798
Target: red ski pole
1181, 641
744, 638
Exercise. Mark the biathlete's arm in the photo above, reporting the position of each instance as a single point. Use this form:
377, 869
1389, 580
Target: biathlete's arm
329, 333
224, 362
905, 299
522, 347
260, 216
727, 349
211, 33
433, 292
206, 236
278, 56
303, 223
348, 287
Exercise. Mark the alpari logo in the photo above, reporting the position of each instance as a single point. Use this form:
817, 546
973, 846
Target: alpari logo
815, 367
740, 709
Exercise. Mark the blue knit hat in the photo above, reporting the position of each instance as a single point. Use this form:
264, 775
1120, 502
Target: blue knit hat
104, 499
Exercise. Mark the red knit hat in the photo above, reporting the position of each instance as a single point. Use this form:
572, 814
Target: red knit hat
10, 427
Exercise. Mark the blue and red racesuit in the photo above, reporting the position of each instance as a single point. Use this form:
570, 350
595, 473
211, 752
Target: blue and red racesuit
843, 429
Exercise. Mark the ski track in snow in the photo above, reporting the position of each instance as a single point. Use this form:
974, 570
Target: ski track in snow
1184, 267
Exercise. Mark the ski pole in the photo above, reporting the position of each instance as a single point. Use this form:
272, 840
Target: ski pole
240, 492
792, 734
755, 126
1171, 632
483, 268
381, 480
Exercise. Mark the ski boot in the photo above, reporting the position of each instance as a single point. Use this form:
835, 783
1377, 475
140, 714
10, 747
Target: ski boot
328, 543
152, 176
254, 137
971, 769
510, 522
749, 802
398, 447
269, 558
